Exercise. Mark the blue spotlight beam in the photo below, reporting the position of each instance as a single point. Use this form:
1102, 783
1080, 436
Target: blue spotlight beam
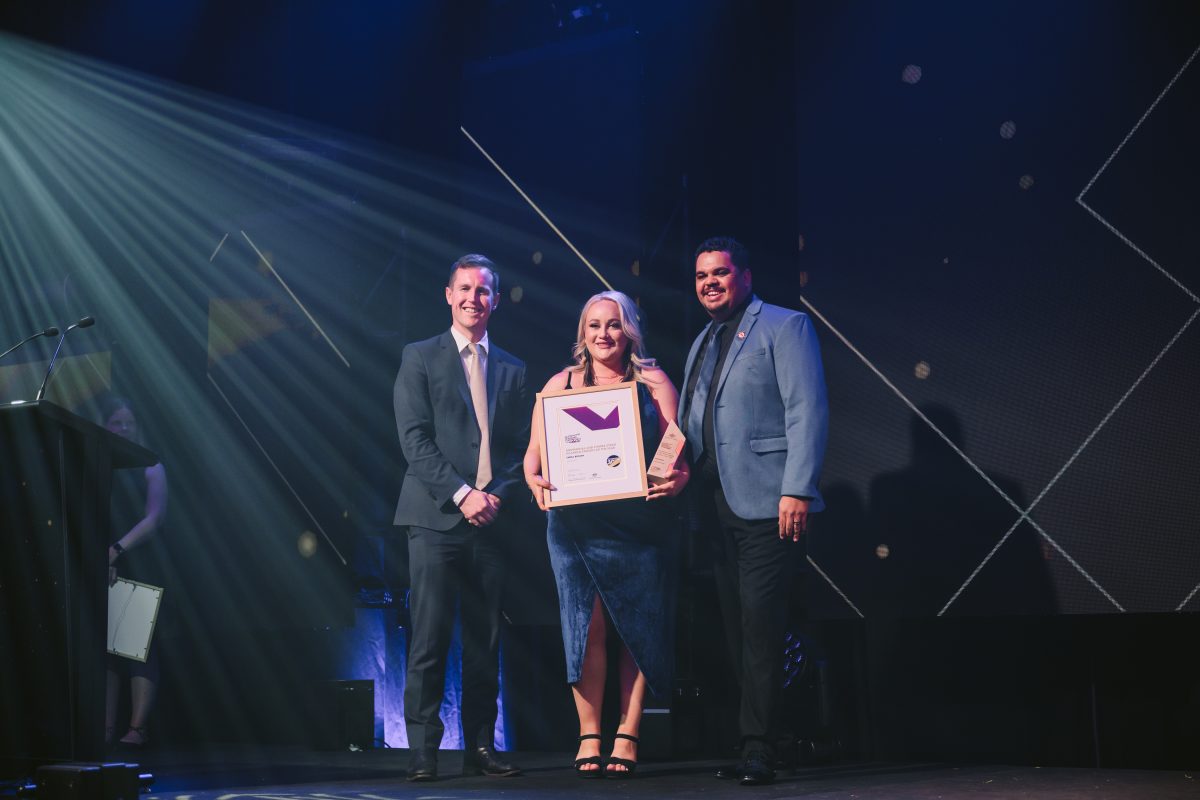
292, 294
278, 471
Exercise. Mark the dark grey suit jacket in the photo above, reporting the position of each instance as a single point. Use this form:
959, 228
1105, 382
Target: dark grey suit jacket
439, 434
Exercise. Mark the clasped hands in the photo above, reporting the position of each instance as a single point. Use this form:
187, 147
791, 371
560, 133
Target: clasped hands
480, 508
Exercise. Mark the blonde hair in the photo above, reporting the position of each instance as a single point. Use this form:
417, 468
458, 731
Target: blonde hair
635, 355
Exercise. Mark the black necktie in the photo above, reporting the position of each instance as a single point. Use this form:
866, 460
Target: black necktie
695, 420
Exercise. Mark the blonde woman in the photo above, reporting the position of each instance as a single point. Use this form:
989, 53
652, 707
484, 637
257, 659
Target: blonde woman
613, 561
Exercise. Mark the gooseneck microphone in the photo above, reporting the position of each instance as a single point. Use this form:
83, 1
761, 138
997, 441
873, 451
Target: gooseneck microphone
84, 322
30, 338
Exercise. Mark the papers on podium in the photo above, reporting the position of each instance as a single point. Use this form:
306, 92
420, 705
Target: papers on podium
132, 613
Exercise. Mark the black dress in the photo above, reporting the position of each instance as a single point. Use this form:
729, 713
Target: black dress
625, 550
145, 563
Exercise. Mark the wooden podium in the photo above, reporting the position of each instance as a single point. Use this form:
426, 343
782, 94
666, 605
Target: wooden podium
55, 480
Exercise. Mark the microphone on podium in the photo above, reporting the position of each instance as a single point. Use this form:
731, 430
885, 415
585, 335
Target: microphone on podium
84, 322
47, 332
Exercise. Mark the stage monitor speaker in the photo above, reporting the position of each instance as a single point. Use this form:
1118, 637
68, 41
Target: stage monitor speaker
656, 736
345, 715
108, 781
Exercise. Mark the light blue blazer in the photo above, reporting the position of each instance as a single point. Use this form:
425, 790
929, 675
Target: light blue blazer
771, 417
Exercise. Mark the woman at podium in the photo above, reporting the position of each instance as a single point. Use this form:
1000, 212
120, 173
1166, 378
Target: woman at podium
139, 503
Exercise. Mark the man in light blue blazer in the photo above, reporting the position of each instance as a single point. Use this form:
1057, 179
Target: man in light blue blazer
755, 414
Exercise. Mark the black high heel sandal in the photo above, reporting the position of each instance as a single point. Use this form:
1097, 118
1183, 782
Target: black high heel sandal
629, 765
580, 763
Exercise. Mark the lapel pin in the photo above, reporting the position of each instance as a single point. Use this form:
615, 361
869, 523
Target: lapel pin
741, 334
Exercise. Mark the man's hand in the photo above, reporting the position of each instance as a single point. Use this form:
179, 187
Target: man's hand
793, 518
480, 508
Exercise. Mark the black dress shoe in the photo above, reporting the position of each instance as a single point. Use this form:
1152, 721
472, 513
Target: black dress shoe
423, 767
484, 761
756, 769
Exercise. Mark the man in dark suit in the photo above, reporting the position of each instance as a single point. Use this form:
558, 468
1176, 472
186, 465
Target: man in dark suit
463, 413
755, 415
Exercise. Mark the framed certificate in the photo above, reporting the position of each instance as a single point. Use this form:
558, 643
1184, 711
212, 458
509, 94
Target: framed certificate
132, 614
592, 444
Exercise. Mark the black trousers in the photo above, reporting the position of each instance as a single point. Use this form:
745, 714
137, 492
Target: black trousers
752, 568
460, 567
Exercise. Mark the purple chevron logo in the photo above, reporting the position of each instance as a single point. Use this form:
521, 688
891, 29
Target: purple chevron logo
593, 421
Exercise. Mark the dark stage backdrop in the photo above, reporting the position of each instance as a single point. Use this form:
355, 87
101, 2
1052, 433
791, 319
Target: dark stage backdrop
993, 201
967, 196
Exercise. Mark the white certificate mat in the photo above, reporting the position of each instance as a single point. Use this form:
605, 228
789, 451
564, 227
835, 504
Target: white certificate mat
592, 444
132, 613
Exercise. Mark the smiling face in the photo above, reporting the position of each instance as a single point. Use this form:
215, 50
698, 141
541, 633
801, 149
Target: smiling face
603, 335
721, 285
472, 298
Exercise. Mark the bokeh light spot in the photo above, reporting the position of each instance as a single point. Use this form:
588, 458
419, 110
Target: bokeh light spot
636, 267
537, 256
921, 370
883, 551
911, 74
1026, 181
307, 544
517, 294
1008, 130
801, 241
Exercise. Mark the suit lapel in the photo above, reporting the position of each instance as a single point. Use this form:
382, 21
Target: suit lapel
454, 363
493, 383
739, 338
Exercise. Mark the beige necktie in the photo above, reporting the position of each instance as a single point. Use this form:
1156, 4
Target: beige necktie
483, 476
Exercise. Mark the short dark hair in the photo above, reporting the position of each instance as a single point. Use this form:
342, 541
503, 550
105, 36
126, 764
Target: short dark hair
475, 261
738, 253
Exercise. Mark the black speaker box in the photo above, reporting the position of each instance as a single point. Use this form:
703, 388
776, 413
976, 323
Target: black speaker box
345, 718
111, 781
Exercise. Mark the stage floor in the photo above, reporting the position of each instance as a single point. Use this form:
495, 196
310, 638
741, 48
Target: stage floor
230, 773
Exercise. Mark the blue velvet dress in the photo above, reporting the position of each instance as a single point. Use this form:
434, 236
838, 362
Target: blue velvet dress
626, 551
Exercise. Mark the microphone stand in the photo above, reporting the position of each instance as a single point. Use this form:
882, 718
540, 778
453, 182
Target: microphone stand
85, 322
47, 332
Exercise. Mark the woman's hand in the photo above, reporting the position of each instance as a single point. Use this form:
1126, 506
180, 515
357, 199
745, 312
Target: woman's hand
675, 481
536, 484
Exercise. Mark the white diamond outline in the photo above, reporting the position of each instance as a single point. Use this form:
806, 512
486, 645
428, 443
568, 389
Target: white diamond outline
1023, 513
1125, 239
1112, 228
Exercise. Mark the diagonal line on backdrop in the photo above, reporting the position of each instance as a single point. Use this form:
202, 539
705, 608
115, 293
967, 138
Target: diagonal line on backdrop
829, 580
214, 255
534, 206
1087, 441
1147, 113
1125, 239
912, 407
292, 294
278, 472
1188, 599
1109, 160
